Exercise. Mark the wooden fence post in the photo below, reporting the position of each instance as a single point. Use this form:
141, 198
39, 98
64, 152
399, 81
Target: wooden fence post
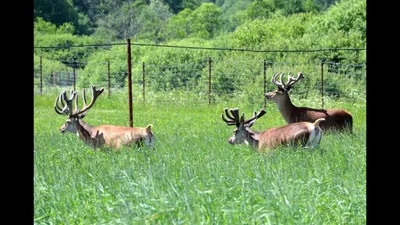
322, 82
265, 83
129, 82
209, 80
144, 82
40, 77
108, 78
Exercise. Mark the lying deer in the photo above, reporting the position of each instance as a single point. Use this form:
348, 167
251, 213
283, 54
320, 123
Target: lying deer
305, 134
335, 119
102, 135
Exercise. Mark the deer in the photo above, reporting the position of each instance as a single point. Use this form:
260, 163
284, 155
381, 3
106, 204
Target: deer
305, 134
337, 120
101, 136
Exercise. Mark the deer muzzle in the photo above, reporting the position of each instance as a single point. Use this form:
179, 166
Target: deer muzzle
62, 129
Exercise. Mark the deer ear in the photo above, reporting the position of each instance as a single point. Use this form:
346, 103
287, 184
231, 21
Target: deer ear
82, 115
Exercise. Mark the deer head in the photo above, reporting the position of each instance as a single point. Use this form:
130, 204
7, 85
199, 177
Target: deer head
281, 93
242, 133
74, 115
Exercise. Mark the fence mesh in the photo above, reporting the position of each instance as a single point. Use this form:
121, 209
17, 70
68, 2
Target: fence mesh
205, 77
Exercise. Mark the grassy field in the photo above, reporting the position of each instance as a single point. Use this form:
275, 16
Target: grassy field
193, 176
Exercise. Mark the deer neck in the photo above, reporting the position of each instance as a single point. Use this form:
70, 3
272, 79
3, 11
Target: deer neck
286, 108
253, 138
84, 132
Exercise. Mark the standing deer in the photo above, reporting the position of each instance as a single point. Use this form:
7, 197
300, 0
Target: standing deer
335, 119
305, 134
102, 135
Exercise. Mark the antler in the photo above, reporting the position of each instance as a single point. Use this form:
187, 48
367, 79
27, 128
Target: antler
67, 108
278, 84
95, 94
256, 116
232, 120
292, 80
289, 83
235, 119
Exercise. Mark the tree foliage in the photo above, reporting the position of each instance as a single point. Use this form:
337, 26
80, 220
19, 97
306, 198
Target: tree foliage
136, 20
206, 21
263, 24
61, 38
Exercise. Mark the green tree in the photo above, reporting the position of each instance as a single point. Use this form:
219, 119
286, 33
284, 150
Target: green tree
178, 27
47, 34
259, 9
59, 12
137, 20
55, 11
206, 21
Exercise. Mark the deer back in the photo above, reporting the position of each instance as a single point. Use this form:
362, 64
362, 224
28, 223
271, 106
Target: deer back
117, 136
335, 119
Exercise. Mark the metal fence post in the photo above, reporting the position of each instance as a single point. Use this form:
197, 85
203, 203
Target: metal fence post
40, 77
209, 80
74, 75
108, 78
265, 83
144, 82
322, 82
129, 82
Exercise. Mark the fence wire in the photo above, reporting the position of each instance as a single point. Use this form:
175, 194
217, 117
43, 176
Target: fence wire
198, 75
215, 81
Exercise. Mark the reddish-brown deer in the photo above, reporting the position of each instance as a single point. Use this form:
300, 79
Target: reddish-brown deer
335, 119
305, 134
98, 136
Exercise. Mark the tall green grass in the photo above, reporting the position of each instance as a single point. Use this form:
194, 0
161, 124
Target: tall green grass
193, 176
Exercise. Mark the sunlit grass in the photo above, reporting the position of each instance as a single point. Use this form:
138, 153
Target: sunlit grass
193, 176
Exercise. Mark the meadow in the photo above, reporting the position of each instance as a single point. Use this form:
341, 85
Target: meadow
193, 175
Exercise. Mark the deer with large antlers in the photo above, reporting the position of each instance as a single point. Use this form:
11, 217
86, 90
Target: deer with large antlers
335, 119
103, 135
305, 134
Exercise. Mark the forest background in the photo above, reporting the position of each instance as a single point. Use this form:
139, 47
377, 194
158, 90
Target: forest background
243, 24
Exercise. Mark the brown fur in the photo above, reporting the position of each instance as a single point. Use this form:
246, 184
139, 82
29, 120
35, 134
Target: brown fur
103, 135
298, 133
335, 119
111, 136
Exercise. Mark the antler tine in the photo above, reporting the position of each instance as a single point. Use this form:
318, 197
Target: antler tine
278, 84
289, 78
95, 94
292, 80
231, 120
57, 108
242, 119
76, 111
273, 80
235, 113
67, 108
227, 114
84, 97
280, 80
256, 116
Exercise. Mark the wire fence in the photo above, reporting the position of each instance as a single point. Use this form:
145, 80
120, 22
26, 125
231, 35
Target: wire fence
204, 80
